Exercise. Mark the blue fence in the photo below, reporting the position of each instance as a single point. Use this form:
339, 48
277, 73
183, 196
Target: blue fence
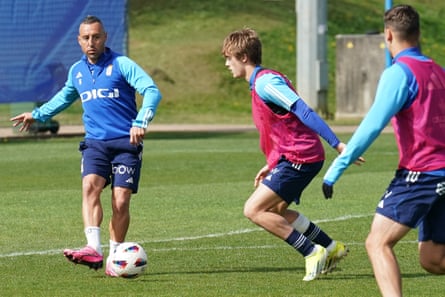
38, 43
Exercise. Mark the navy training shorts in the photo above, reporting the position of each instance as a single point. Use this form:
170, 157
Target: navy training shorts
116, 160
288, 180
416, 200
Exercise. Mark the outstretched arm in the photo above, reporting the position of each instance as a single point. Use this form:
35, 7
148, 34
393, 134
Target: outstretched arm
392, 95
64, 98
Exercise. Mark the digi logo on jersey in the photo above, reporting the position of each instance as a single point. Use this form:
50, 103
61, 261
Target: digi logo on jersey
99, 94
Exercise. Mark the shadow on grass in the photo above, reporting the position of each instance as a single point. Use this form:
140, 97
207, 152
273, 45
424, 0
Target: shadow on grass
234, 270
336, 275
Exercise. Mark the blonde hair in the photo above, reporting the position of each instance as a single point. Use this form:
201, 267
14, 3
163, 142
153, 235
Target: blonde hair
243, 42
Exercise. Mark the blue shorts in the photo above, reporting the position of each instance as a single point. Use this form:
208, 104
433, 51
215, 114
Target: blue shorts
116, 160
288, 180
416, 199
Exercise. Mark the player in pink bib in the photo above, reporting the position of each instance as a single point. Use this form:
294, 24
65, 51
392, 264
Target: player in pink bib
289, 138
410, 94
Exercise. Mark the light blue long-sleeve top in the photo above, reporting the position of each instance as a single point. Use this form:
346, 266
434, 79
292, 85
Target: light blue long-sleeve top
397, 89
107, 91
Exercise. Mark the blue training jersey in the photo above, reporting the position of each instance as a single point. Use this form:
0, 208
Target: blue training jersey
396, 90
107, 90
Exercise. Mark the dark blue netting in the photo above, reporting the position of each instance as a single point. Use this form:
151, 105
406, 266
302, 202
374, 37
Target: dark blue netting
38, 43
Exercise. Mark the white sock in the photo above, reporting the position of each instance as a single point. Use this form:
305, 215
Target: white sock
301, 224
113, 246
93, 238
331, 246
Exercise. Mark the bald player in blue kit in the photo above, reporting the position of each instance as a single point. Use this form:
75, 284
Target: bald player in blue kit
106, 83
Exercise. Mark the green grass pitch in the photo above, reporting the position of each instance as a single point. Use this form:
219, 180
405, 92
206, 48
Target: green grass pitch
188, 216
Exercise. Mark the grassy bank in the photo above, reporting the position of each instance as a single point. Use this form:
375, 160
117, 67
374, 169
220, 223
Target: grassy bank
178, 43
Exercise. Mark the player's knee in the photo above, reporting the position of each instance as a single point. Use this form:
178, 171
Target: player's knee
370, 244
249, 212
121, 204
432, 265
432, 257
92, 185
121, 208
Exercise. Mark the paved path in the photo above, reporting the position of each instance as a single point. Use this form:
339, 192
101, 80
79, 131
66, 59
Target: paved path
77, 130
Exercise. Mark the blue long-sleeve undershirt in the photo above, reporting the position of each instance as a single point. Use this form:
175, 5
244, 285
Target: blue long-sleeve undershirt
272, 88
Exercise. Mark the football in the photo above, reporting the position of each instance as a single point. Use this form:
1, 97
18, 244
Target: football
130, 260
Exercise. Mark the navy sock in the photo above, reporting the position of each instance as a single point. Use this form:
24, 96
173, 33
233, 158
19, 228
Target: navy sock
300, 243
317, 235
